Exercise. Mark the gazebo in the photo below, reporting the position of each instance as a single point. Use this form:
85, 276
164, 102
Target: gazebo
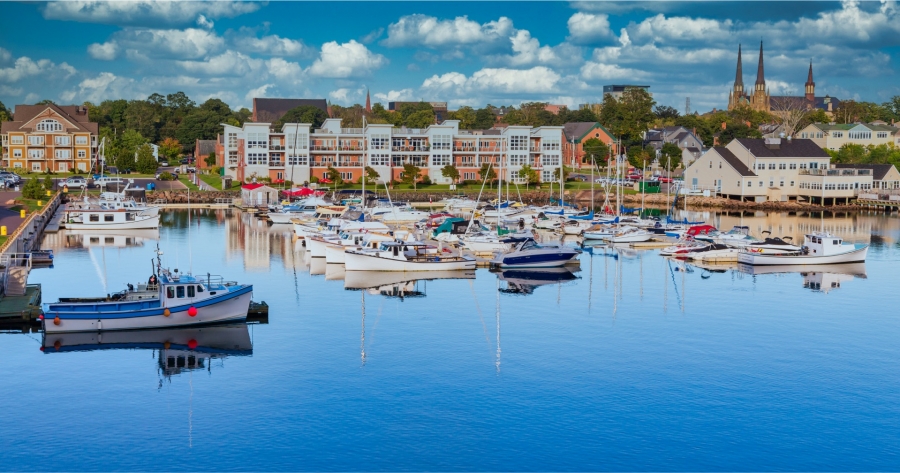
258, 195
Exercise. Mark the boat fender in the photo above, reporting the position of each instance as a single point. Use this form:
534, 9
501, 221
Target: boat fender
166, 345
56, 345
56, 320
192, 344
192, 311
167, 312
41, 317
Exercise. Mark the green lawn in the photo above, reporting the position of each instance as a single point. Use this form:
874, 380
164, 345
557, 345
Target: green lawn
3, 240
216, 181
30, 205
190, 185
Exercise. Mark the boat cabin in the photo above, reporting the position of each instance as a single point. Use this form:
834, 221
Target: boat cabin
823, 244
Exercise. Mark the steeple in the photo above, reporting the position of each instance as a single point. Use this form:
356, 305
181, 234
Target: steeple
368, 102
810, 85
760, 75
739, 75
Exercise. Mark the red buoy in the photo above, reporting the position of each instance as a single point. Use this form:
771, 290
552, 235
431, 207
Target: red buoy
192, 311
192, 343
41, 317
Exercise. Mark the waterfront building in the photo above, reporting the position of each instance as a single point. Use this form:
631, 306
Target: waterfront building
49, 137
759, 98
298, 153
775, 169
884, 176
576, 133
834, 136
618, 90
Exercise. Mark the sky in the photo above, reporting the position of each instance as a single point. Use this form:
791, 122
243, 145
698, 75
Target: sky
464, 53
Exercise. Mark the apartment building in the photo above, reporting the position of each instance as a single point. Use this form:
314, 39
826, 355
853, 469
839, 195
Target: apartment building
832, 137
777, 170
298, 153
49, 137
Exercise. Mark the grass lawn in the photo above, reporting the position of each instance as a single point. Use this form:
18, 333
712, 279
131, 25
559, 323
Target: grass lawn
3, 240
190, 185
30, 205
216, 181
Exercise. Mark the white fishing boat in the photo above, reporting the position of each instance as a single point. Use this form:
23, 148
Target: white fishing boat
406, 256
818, 248
109, 219
316, 244
334, 251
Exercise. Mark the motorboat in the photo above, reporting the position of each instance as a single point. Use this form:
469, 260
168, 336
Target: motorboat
713, 253
168, 299
306, 207
738, 236
486, 242
818, 248
358, 240
527, 253
96, 218
772, 246
406, 256
627, 234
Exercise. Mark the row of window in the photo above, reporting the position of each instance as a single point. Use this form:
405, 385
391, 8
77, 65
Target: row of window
840, 186
380, 159
173, 292
38, 140
811, 134
61, 167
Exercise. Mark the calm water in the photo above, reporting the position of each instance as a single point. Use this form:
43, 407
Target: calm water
631, 363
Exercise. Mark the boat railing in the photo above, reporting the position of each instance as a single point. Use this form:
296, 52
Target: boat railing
8, 261
215, 281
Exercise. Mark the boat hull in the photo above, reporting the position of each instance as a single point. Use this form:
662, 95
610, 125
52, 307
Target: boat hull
151, 222
355, 261
544, 259
334, 254
316, 247
229, 307
857, 255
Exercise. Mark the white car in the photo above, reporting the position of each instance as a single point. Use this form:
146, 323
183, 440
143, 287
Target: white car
75, 181
103, 181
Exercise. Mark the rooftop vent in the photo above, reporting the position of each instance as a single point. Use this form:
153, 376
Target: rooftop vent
773, 143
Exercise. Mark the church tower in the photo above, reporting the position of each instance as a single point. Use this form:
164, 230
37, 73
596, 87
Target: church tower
368, 102
737, 92
760, 98
810, 87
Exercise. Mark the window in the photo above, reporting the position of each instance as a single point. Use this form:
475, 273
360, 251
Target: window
190, 290
837, 134
63, 154
793, 165
170, 292
440, 159
17, 153
518, 143
232, 157
802, 165
49, 124
109, 218
82, 154
62, 140
814, 165
82, 167
710, 164
550, 145
771, 183
760, 183
749, 183
781, 183
298, 160
549, 161
547, 175
347, 176
298, 140
380, 141
739, 184
441, 141
772, 166
782, 165
16, 139
62, 167
199, 289
467, 160
468, 176
36, 140
256, 140
179, 291
518, 159
860, 135
720, 164
232, 140
35, 154
94, 218
81, 140
257, 158
760, 166
17, 166
379, 159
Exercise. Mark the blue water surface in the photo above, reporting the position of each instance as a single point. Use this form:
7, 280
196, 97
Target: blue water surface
638, 364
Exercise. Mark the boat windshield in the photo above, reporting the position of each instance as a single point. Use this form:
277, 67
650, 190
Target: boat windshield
528, 245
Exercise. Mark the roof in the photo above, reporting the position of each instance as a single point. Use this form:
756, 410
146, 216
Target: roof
733, 161
258, 187
205, 147
793, 148
879, 171
271, 110
578, 130
801, 101
850, 126
76, 116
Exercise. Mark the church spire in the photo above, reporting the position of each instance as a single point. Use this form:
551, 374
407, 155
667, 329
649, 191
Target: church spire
739, 75
368, 102
810, 85
760, 75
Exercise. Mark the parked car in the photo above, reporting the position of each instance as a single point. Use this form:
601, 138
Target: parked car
665, 179
103, 181
164, 163
10, 178
76, 182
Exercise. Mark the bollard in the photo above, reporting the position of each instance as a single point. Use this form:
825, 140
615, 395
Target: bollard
22, 213
65, 189
40, 203
48, 193
3, 230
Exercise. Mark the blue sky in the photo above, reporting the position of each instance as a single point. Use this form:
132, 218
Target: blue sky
465, 53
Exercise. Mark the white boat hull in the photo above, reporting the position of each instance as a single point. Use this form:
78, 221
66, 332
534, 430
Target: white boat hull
150, 222
334, 254
856, 255
633, 237
316, 246
282, 217
485, 246
355, 261
232, 309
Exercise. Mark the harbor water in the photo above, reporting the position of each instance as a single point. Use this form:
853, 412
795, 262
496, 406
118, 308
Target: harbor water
628, 361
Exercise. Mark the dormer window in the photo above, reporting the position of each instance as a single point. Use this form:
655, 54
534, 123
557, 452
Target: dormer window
49, 125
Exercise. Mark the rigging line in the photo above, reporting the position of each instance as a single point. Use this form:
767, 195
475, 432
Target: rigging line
674, 284
362, 336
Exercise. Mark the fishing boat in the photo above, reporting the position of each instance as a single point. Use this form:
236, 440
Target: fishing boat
527, 253
406, 256
334, 251
818, 248
168, 299
96, 218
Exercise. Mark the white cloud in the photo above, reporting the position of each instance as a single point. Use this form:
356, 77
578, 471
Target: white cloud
372, 36
587, 28
595, 71
257, 92
350, 59
99, 88
189, 43
204, 22
528, 51
104, 51
272, 45
25, 67
145, 12
5, 56
659, 28
285, 70
403, 95
348, 96
422, 30
538, 79
10, 91
851, 23
229, 63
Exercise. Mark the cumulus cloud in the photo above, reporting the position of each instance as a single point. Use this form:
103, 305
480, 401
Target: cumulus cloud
285, 71
594, 71
5, 56
528, 51
421, 30
537, 79
660, 28
403, 95
99, 88
260, 91
586, 28
189, 43
25, 67
145, 12
229, 63
346, 60
273, 45
104, 51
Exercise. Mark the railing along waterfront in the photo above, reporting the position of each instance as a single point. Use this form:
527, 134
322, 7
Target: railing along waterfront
835, 172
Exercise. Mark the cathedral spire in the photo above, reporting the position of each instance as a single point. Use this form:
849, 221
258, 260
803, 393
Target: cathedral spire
760, 75
368, 102
810, 85
739, 75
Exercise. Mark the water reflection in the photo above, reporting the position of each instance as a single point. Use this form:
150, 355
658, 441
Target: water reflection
525, 281
77, 239
178, 350
818, 278
396, 284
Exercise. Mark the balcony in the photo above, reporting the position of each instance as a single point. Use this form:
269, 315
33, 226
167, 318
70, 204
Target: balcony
35, 158
352, 148
277, 164
352, 163
835, 172
323, 148
469, 148
273, 147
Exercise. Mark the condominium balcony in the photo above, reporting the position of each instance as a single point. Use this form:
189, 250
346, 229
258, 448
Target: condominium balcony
279, 164
273, 147
35, 158
323, 148
352, 148
467, 147
835, 172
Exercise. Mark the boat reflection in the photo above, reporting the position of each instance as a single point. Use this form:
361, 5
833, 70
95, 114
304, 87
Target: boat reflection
526, 280
397, 284
818, 278
179, 350
75, 239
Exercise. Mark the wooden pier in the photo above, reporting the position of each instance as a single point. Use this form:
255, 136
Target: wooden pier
884, 205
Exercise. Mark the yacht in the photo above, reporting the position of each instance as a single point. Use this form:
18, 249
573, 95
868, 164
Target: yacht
406, 256
527, 253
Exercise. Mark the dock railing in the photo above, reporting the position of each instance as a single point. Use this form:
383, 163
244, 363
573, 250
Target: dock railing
10, 262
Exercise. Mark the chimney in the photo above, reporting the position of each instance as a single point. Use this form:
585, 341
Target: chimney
773, 143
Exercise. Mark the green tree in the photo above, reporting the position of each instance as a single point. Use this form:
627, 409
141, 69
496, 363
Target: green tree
48, 183
371, 175
737, 130
145, 163
335, 176
5, 114
892, 106
670, 156
411, 174
303, 114
466, 116
638, 157
32, 189
451, 172
420, 119
594, 147
488, 173
126, 147
484, 119
170, 148
530, 175
210, 160
564, 171
665, 112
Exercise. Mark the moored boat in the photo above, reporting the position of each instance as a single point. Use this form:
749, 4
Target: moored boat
818, 248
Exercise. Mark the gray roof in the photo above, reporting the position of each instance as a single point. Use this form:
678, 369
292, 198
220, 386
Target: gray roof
878, 170
733, 160
271, 110
205, 147
793, 148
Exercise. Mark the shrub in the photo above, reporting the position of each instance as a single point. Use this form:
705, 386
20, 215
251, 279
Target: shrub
288, 183
48, 183
32, 189
426, 181
166, 176
314, 179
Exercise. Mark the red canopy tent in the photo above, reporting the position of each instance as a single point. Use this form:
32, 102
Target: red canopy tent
302, 192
